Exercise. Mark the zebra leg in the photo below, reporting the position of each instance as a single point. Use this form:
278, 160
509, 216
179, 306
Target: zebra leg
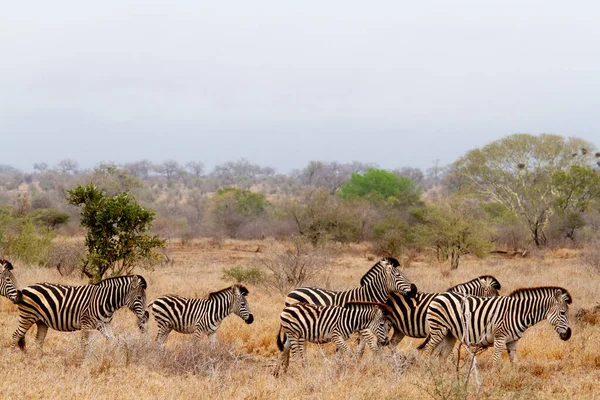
340, 343
499, 346
284, 357
42, 330
512, 351
163, 332
19, 335
362, 341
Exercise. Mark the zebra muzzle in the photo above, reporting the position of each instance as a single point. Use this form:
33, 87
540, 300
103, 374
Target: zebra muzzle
250, 319
566, 335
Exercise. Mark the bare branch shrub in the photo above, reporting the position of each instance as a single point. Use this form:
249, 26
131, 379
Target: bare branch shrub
66, 257
591, 256
295, 267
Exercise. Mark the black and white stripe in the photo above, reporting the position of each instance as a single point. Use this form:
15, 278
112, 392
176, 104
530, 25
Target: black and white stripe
304, 322
498, 321
8, 286
383, 278
71, 308
199, 316
408, 316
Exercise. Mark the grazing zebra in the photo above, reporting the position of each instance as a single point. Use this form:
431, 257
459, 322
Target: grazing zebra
408, 316
71, 308
199, 316
498, 321
384, 278
8, 287
303, 322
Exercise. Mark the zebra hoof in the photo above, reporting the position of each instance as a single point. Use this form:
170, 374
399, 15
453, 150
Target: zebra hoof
250, 319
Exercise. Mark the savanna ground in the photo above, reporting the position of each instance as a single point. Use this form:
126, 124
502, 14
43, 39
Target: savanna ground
241, 364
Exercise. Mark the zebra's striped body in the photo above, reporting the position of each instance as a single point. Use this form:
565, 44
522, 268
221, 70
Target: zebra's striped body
498, 321
408, 315
304, 322
199, 316
8, 286
71, 308
384, 278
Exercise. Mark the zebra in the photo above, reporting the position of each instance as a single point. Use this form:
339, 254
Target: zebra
71, 308
303, 322
8, 286
408, 316
384, 278
199, 316
498, 321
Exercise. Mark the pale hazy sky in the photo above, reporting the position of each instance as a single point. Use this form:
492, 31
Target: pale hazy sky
281, 83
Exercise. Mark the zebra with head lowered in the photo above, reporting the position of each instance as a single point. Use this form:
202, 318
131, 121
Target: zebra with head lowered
408, 315
72, 308
8, 286
498, 321
302, 322
199, 316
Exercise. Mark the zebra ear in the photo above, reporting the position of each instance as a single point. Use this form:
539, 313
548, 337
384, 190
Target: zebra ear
141, 281
6, 265
561, 294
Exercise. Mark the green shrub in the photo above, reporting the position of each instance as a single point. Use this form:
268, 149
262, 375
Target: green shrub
243, 275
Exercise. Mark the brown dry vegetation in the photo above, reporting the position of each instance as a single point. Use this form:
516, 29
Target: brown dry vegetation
240, 366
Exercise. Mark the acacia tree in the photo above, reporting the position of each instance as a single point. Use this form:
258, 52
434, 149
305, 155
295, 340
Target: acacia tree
519, 172
381, 186
116, 237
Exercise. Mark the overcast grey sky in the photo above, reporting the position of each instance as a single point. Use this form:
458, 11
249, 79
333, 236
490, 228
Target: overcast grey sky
281, 83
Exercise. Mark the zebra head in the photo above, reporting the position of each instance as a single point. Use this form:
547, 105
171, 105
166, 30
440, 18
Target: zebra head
240, 304
558, 313
8, 285
396, 281
379, 324
135, 300
490, 287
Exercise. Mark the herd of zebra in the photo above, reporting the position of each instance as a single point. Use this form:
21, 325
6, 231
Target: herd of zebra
472, 312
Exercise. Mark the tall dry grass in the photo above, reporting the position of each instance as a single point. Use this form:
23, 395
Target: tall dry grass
240, 365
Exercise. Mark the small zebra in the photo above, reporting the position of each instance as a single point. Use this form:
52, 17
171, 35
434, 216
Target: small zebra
408, 316
498, 321
8, 286
86, 308
383, 278
199, 316
303, 322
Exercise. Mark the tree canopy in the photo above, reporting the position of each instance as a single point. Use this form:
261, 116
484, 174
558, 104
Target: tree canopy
529, 175
381, 186
117, 227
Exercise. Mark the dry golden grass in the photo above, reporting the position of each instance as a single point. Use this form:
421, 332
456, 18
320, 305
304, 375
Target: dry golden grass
241, 364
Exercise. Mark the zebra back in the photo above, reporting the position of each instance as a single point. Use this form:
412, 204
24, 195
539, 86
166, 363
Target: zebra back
8, 284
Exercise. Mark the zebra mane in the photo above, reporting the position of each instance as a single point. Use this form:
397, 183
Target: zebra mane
7, 265
542, 289
368, 276
243, 290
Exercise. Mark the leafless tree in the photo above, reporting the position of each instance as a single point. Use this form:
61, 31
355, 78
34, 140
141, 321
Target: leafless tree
67, 166
141, 169
40, 167
196, 168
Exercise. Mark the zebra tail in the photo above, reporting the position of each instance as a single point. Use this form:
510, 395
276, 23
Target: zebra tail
422, 345
281, 340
